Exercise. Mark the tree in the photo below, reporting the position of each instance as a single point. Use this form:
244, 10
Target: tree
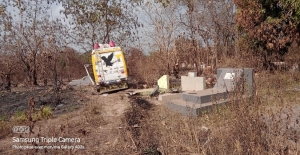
99, 21
8, 68
209, 26
27, 28
135, 62
273, 25
162, 19
221, 14
8, 64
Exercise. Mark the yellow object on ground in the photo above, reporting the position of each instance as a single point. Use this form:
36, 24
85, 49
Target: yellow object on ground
163, 82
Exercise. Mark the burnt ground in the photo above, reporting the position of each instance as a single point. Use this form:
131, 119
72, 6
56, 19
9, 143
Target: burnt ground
17, 100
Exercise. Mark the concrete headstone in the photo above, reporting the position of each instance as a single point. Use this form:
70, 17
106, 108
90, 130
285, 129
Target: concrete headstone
235, 78
192, 83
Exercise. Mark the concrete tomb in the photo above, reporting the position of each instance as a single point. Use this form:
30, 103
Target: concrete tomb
229, 80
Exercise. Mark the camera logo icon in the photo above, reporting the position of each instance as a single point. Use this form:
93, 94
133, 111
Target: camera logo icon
21, 129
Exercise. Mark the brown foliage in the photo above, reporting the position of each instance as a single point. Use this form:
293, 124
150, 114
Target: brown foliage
60, 65
145, 69
271, 28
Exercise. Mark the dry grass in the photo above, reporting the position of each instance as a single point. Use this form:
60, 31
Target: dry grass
268, 123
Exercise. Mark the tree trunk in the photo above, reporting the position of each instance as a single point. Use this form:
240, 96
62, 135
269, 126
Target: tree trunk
8, 80
27, 71
236, 44
34, 77
34, 73
56, 85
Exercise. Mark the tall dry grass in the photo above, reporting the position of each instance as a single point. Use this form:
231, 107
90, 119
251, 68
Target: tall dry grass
266, 123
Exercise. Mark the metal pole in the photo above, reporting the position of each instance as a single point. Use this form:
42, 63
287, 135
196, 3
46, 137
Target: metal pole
85, 66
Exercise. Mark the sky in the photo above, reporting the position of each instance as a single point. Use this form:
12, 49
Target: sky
55, 10
145, 43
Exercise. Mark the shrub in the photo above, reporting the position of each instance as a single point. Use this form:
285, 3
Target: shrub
20, 116
44, 113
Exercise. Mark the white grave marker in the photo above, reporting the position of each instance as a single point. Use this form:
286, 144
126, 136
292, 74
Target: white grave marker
229, 76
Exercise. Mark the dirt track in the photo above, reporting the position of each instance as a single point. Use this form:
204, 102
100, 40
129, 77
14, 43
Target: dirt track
96, 120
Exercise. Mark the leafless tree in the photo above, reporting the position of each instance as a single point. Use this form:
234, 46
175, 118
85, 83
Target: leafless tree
162, 23
99, 21
28, 30
209, 26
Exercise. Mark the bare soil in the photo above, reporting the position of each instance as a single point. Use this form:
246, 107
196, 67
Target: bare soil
80, 113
